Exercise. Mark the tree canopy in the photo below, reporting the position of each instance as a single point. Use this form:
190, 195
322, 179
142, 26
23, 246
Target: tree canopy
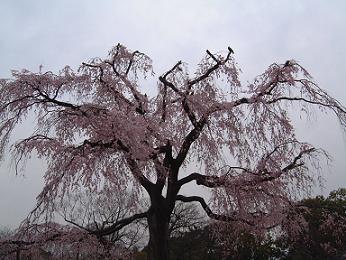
96, 129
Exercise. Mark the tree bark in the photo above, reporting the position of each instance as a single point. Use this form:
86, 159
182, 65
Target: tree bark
158, 222
18, 254
158, 241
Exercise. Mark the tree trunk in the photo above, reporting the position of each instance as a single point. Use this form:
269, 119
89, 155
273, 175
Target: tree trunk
18, 254
158, 232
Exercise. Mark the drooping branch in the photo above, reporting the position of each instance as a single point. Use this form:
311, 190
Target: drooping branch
42, 97
198, 124
256, 176
116, 93
337, 107
20, 243
108, 230
140, 99
42, 235
300, 99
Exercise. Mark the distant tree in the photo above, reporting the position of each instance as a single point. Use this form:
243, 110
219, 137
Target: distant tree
323, 228
5, 232
95, 127
202, 244
185, 218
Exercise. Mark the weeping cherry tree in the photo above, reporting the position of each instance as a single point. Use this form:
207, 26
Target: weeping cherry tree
95, 127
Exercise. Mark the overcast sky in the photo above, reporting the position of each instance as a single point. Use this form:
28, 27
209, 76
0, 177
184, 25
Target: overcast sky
57, 33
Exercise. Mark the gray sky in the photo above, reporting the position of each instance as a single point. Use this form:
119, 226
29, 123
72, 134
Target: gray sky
57, 33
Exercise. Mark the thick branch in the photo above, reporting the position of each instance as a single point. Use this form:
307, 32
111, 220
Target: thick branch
189, 112
294, 163
207, 181
205, 75
161, 173
119, 225
198, 125
209, 212
189, 139
164, 104
211, 69
165, 82
140, 108
147, 185
55, 101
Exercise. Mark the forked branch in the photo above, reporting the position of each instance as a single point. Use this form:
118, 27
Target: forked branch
211, 69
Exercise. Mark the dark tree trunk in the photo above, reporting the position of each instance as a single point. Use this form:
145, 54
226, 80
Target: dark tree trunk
18, 254
158, 223
158, 240
159, 216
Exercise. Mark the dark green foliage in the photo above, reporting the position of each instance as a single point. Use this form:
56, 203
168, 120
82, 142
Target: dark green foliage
248, 246
200, 244
325, 235
195, 245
